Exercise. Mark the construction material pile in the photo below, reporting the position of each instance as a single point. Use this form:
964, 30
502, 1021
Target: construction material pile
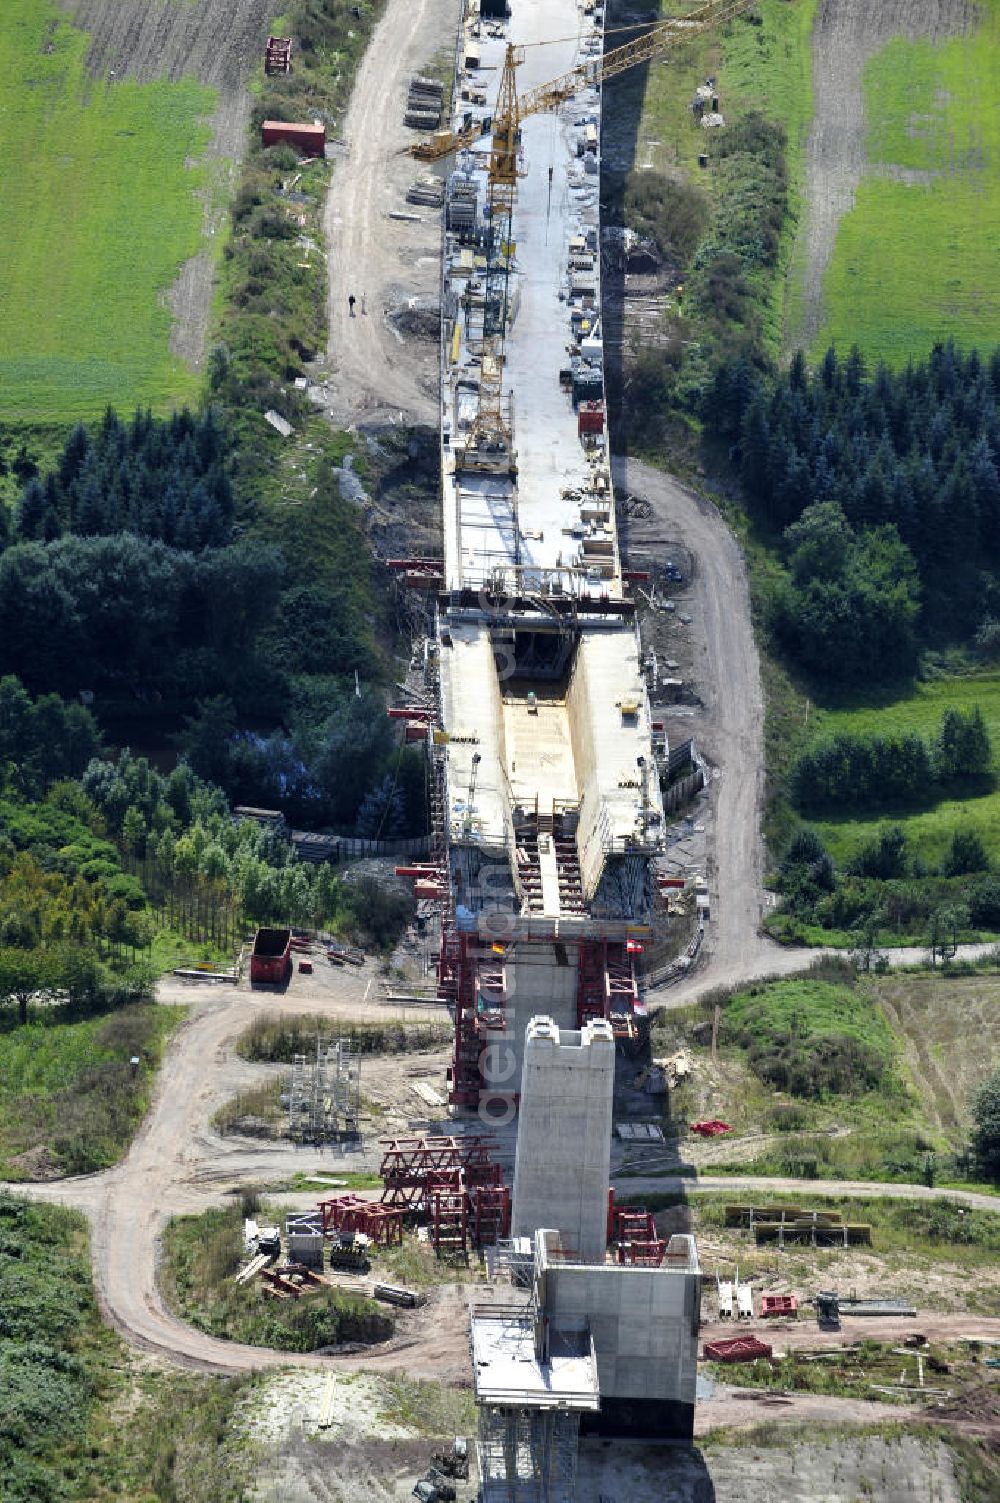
424, 103
455, 1182
795, 1224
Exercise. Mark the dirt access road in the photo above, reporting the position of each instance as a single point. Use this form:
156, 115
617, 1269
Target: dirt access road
384, 363
847, 34
730, 729
178, 1165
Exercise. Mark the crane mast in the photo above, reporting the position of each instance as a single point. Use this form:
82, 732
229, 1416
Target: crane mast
490, 443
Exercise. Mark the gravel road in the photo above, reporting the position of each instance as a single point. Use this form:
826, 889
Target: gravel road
730, 731
376, 372
853, 1189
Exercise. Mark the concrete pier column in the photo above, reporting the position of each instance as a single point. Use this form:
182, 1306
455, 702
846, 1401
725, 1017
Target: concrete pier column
564, 1136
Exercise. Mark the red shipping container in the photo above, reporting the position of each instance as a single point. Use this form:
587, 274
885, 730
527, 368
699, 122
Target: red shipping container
590, 418
271, 957
307, 137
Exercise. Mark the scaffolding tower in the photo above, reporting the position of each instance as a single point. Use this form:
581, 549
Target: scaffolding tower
527, 1454
324, 1099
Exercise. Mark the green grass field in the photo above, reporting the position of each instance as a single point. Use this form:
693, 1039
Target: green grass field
915, 260
929, 831
808, 1012
100, 210
766, 67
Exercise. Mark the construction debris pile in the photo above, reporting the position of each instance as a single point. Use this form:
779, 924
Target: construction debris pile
307, 1237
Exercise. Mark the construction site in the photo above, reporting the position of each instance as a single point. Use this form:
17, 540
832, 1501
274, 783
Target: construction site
547, 767
483, 1147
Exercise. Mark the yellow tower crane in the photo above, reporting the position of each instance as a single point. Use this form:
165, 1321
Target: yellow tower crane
491, 433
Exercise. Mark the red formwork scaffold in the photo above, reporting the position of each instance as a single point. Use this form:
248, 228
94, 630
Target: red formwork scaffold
410, 1164
351, 1214
449, 1217
639, 1244
490, 1214
436, 1174
457, 976
607, 986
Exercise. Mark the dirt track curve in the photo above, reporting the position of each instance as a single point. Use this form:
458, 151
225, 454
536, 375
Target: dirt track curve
178, 1164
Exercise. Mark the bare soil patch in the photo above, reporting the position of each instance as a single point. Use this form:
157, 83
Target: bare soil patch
946, 1026
847, 33
900, 1470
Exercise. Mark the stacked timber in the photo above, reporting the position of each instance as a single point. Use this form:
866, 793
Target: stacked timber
428, 191
424, 103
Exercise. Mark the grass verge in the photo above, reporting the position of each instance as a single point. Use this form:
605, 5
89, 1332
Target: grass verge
69, 1101
851, 1078
77, 1422
277, 1038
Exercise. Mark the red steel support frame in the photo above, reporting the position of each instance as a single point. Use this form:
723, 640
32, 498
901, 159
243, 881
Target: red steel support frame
349, 1213
638, 1242
490, 1214
450, 1222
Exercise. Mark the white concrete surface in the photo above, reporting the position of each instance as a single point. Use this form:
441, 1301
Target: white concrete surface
562, 1168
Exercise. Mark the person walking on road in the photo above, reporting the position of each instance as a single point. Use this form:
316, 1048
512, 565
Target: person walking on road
350, 303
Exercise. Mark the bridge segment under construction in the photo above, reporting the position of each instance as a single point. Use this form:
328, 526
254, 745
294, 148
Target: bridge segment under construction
546, 771
546, 762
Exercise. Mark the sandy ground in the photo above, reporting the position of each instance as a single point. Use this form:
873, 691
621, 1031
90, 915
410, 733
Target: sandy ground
846, 35
376, 372
219, 42
838, 1469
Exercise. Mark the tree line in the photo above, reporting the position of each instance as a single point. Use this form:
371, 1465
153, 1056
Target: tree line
104, 592
887, 887
99, 853
851, 771
163, 480
884, 489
